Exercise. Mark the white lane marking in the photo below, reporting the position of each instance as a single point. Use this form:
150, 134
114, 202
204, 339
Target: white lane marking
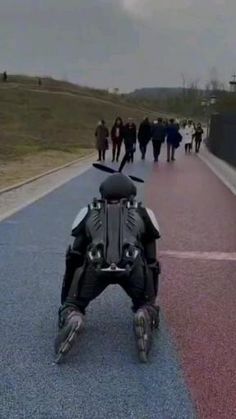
14, 201
231, 256
44, 174
221, 169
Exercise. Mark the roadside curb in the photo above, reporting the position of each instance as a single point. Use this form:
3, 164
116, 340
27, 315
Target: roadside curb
48, 172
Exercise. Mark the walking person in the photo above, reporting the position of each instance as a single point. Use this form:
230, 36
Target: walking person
144, 136
173, 139
198, 137
117, 135
188, 133
5, 76
159, 132
102, 135
130, 134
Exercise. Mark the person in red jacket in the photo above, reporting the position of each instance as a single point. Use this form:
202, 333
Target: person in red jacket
117, 136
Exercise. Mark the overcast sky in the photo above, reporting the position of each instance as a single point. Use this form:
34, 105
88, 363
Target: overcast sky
119, 43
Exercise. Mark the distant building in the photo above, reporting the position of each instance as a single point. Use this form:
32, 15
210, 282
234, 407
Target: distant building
233, 84
114, 90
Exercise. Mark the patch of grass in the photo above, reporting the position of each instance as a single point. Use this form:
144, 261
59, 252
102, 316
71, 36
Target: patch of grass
42, 127
30, 165
56, 116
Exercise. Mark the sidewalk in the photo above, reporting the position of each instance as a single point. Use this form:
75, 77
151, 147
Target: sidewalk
16, 199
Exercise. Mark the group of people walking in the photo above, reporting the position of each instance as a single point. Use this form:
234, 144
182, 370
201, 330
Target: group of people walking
120, 133
157, 132
190, 133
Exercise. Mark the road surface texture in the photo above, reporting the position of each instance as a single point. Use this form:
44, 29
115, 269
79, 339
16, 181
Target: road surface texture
190, 373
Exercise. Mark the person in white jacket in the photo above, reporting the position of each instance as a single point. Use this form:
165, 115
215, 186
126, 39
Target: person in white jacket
187, 133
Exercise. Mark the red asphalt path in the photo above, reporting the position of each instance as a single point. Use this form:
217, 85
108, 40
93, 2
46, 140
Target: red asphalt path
197, 213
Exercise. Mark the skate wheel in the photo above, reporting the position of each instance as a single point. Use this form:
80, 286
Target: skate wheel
66, 346
143, 357
58, 359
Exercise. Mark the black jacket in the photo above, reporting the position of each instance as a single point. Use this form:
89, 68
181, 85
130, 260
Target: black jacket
129, 134
145, 132
113, 133
159, 132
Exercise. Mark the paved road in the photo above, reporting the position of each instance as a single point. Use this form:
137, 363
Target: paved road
102, 378
198, 218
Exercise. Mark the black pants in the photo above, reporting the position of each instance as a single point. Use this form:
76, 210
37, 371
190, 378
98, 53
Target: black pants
156, 149
197, 145
131, 157
101, 155
170, 152
87, 285
116, 148
188, 148
143, 148
130, 154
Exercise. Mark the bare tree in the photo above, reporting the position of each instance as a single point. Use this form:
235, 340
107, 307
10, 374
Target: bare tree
214, 84
183, 83
193, 88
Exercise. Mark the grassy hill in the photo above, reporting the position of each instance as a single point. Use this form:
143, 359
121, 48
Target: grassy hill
54, 116
152, 93
55, 120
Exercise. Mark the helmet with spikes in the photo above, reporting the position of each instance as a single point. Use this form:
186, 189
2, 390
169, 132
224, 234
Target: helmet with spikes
118, 186
122, 165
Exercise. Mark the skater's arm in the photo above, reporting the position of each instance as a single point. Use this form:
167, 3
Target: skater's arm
150, 251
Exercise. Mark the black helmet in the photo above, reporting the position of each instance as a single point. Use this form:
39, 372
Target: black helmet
118, 186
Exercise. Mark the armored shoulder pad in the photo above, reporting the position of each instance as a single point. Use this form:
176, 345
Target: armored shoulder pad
153, 219
79, 218
150, 221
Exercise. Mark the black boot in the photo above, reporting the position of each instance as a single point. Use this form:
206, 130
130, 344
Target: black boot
117, 156
146, 319
99, 156
71, 322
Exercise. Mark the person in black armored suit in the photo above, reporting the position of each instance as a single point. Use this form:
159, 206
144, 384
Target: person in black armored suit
114, 243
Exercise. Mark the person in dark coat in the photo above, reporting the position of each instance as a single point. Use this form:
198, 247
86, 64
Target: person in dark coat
159, 132
117, 136
173, 139
130, 134
101, 135
4, 76
198, 137
144, 136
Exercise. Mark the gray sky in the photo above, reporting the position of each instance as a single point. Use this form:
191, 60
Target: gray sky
119, 43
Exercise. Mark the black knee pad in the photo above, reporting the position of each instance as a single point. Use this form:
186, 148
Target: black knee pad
155, 270
73, 261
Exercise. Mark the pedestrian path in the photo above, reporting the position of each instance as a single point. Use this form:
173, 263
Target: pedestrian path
191, 369
197, 215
